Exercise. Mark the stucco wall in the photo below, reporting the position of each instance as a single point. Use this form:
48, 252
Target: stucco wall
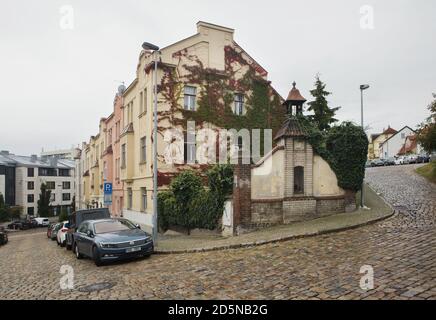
325, 182
267, 179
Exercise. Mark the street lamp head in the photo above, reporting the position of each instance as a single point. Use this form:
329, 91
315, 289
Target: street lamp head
364, 86
149, 46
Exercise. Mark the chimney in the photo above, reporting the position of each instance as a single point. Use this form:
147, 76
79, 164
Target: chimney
33, 158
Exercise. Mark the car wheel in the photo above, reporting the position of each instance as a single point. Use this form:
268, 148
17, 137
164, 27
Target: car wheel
96, 257
77, 253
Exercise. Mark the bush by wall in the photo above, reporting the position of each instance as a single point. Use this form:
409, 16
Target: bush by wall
344, 147
190, 205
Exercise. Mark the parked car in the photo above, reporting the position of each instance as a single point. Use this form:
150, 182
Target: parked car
377, 163
423, 158
389, 161
111, 239
3, 237
399, 160
50, 229
413, 158
368, 163
60, 237
19, 224
77, 217
54, 231
32, 223
43, 222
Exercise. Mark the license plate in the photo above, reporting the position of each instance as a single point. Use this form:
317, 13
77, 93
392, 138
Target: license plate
128, 250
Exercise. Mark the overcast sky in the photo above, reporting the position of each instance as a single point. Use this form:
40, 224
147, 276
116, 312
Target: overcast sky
57, 83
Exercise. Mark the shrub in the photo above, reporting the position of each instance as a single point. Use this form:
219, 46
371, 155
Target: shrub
190, 205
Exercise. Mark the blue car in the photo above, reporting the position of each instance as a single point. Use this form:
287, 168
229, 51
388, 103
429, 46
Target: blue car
107, 240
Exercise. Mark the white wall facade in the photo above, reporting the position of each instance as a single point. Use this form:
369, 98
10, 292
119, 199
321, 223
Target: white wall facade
22, 191
391, 147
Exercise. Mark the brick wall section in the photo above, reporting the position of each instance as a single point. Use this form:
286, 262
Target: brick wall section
289, 168
267, 212
329, 206
299, 210
242, 195
308, 171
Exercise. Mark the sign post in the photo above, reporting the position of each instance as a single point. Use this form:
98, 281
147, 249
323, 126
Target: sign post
107, 187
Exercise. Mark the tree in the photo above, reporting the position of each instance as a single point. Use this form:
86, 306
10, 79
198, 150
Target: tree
63, 216
44, 201
323, 115
427, 129
73, 204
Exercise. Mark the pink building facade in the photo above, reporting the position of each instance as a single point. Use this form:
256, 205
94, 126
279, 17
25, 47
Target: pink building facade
112, 154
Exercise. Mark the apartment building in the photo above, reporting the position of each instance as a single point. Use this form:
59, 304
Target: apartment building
31, 172
183, 71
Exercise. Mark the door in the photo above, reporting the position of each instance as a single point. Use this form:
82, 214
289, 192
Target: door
87, 241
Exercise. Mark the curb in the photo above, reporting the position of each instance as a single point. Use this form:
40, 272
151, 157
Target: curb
286, 238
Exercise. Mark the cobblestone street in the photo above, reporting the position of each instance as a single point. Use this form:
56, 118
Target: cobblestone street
401, 251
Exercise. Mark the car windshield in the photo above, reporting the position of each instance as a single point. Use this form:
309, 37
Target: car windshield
113, 226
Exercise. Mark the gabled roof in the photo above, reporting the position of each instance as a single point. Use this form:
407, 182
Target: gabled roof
390, 130
396, 134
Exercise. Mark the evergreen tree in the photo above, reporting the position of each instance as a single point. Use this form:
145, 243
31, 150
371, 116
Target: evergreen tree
44, 201
323, 115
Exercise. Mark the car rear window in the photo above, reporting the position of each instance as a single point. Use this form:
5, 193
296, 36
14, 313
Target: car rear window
112, 226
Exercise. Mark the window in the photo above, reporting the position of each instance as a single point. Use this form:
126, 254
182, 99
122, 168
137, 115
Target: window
123, 156
117, 169
109, 137
143, 101
189, 151
30, 211
143, 199
64, 172
190, 93
143, 144
66, 196
49, 172
299, 180
30, 198
66, 185
52, 197
239, 104
129, 198
117, 130
30, 185
50, 185
30, 172
403, 135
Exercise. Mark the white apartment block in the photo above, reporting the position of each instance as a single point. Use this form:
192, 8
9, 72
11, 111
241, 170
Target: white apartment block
31, 172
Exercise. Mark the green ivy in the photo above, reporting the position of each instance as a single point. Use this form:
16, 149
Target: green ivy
344, 147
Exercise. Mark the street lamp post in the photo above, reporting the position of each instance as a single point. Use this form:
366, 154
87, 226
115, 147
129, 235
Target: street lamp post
362, 88
155, 49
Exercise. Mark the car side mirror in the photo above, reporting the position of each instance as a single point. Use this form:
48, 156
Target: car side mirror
138, 226
89, 233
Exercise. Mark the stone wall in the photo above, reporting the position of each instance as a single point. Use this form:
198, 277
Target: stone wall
325, 207
299, 209
269, 212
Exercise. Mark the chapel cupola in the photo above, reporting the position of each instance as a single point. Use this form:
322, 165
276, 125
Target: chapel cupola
295, 101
